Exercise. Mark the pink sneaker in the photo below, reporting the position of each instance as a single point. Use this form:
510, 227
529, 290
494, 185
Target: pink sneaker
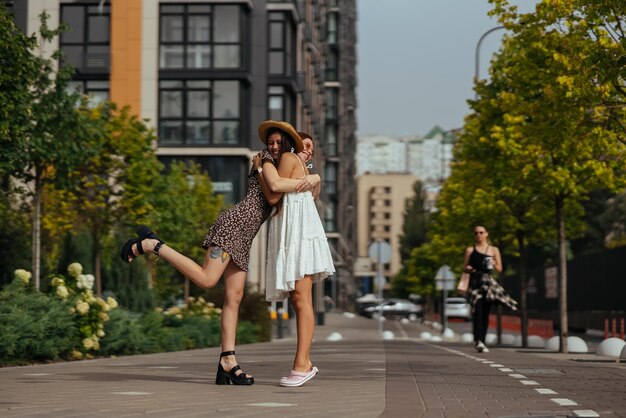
298, 378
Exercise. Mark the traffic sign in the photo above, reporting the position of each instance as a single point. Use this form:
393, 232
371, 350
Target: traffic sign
379, 248
445, 278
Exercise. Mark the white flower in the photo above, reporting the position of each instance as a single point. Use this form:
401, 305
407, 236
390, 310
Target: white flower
100, 333
82, 307
23, 275
58, 281
103, 316
77, 355
112, 302
74, 269
85, 281
88, 343
105, 306
62, 291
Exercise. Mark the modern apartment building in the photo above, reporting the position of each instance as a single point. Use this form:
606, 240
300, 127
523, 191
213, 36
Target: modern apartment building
381, 201
205, 73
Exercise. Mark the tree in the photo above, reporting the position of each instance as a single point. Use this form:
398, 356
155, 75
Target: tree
415, 222
565, 92
18, 71
113, 187
50, 143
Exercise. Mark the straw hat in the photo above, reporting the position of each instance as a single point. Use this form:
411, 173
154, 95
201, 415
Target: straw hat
283, 126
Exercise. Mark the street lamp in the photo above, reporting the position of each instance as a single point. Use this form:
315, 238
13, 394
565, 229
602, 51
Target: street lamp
477, 55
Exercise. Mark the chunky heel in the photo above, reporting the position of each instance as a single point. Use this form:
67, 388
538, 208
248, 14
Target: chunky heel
224, 377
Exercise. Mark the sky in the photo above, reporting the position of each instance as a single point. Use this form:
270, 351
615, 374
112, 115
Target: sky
416, 62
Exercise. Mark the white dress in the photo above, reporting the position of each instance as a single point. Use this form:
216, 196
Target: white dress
297, 246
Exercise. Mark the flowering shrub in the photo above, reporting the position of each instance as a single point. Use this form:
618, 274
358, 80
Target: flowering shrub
194, 307
89, 312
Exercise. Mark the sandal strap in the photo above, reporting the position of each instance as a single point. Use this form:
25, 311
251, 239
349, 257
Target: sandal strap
139, 247
234, 370
227, 353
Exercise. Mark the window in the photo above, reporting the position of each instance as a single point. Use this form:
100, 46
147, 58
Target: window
279, 103
332, 28
280, 44
331, 104
332, 64
86, 45
330, 215
199, 112
331, 140
97, 90
330, 178
200, 36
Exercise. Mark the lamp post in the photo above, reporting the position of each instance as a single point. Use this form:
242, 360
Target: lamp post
477, 55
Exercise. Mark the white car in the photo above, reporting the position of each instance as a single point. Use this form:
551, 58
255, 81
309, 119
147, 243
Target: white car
458, 308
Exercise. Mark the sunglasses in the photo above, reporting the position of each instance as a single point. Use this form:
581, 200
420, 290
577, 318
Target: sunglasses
479, 232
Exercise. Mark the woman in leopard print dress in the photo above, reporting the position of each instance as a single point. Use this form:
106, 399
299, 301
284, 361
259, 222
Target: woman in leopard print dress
228, 246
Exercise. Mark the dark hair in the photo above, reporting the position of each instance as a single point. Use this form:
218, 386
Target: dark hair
304, 135
286, 144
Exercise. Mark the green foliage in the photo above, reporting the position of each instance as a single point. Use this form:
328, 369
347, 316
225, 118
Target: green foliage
18, 71
415, 222
34, 327
13, 241
185, 208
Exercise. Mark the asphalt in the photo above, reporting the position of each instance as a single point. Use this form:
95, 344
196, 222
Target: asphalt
361, 375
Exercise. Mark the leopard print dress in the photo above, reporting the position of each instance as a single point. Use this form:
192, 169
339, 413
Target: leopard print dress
234, 229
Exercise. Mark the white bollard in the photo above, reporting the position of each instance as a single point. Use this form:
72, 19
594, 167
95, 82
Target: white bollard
611, 347
508, 339
535, 341
349, 315
574, 344
467, 337
491, 339
448, 333
404, 321
335, 336
388, 335
436, 339
426, 335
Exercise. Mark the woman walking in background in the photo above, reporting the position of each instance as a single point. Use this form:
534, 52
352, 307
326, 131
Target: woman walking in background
480, 261
298, 254
228, 244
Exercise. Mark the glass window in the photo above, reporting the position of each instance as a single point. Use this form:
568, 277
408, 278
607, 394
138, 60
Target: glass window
280, 33
331, 140
330, 178
332, 25
199, 112
279, 103
331, 103
86, 44
96, 90
332, 64
330, 216
200, 36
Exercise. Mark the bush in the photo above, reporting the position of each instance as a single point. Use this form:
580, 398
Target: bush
34, 327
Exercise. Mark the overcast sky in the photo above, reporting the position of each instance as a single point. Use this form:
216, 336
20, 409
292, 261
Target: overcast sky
416, 62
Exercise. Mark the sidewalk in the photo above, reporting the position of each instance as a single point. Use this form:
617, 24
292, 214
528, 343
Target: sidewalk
360, 376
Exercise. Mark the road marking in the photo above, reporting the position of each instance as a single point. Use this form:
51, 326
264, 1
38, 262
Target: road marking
163, 367
497, 365
132, 393
546, 391
529, 382
506, 369
586, 413
563, 401
376, 369
272, 404
517, 376
37, 374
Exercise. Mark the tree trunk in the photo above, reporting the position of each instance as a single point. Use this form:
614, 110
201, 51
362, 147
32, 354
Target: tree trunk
36, 232
562, 274
521, 246
97, 258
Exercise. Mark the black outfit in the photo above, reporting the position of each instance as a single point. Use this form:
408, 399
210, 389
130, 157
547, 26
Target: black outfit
481, 306
483, 292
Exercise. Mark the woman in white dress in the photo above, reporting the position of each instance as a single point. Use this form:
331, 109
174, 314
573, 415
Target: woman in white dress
298, 253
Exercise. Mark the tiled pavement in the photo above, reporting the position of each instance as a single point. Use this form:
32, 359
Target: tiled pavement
360, 376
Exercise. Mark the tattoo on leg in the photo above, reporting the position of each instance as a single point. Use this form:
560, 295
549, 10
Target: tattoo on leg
217, 252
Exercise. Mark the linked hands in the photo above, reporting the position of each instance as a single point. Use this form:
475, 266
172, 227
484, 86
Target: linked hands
308, 183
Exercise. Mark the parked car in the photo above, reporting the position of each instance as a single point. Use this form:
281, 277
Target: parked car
458, 308
396, 308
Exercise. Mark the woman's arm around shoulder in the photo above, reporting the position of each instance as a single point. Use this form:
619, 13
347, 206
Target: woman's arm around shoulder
466, 266
497, 260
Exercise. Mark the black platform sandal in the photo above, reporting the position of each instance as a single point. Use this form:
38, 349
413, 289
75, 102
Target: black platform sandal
142, 232
227, 377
